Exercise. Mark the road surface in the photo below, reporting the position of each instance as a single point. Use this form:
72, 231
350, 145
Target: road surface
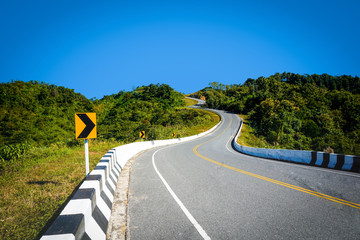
204, 189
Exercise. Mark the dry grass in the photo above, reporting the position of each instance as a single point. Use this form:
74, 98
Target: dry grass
190, 102
202, 128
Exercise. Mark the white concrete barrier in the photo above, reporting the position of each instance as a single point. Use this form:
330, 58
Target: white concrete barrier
87, 214
321, 159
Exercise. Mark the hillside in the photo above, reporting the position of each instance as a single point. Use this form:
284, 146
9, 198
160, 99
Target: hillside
38, 113
156, 109
313, 112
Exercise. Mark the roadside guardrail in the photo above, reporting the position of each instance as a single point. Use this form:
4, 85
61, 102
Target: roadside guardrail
313, 158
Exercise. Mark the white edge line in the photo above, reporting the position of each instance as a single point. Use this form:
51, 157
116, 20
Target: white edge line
178, 201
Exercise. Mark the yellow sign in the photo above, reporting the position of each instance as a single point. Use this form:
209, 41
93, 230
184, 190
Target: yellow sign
85, 125
142, 134
173, 134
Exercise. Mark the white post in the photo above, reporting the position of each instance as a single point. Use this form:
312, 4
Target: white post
87, 156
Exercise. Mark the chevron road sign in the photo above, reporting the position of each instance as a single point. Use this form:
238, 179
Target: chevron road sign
142, 134
85, 125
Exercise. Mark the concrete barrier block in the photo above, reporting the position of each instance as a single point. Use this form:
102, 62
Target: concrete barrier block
333, 159
84, 206
79, 206
59, 237
319, 157
67, 227
348, 163
356, 164
102, 196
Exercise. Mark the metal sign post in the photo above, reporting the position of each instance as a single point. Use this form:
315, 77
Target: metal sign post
87, 157
85, 128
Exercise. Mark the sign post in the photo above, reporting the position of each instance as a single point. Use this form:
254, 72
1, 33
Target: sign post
85, 128
87, 157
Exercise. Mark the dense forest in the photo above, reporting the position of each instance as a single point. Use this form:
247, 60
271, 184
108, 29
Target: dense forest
313, 112
35, 114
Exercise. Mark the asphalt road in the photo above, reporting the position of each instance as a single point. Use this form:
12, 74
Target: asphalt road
204, 189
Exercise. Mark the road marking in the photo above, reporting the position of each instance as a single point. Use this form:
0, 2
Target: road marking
178, 201
321, 195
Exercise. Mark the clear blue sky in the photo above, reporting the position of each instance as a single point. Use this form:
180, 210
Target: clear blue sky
101, 47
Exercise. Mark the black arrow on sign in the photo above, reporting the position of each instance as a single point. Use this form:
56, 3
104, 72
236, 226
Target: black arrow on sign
142, 134
89, 125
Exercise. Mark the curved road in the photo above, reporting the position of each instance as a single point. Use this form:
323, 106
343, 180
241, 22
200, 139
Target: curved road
203, 189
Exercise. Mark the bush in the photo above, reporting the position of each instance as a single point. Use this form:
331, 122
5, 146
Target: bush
10, 153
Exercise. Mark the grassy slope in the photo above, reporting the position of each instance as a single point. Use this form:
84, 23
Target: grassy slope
189, 102
203, 127
248, 138
31, 193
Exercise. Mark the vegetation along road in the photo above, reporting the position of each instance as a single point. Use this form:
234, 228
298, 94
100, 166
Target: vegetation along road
204, 189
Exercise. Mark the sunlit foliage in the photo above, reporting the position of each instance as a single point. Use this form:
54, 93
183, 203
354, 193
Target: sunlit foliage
295, 111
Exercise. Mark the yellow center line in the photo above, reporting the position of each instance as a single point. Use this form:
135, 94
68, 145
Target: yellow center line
314, 193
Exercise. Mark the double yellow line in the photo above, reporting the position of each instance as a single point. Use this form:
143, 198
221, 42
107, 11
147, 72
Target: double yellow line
321, 195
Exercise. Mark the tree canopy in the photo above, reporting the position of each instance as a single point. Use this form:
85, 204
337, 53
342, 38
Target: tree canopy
295, 111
